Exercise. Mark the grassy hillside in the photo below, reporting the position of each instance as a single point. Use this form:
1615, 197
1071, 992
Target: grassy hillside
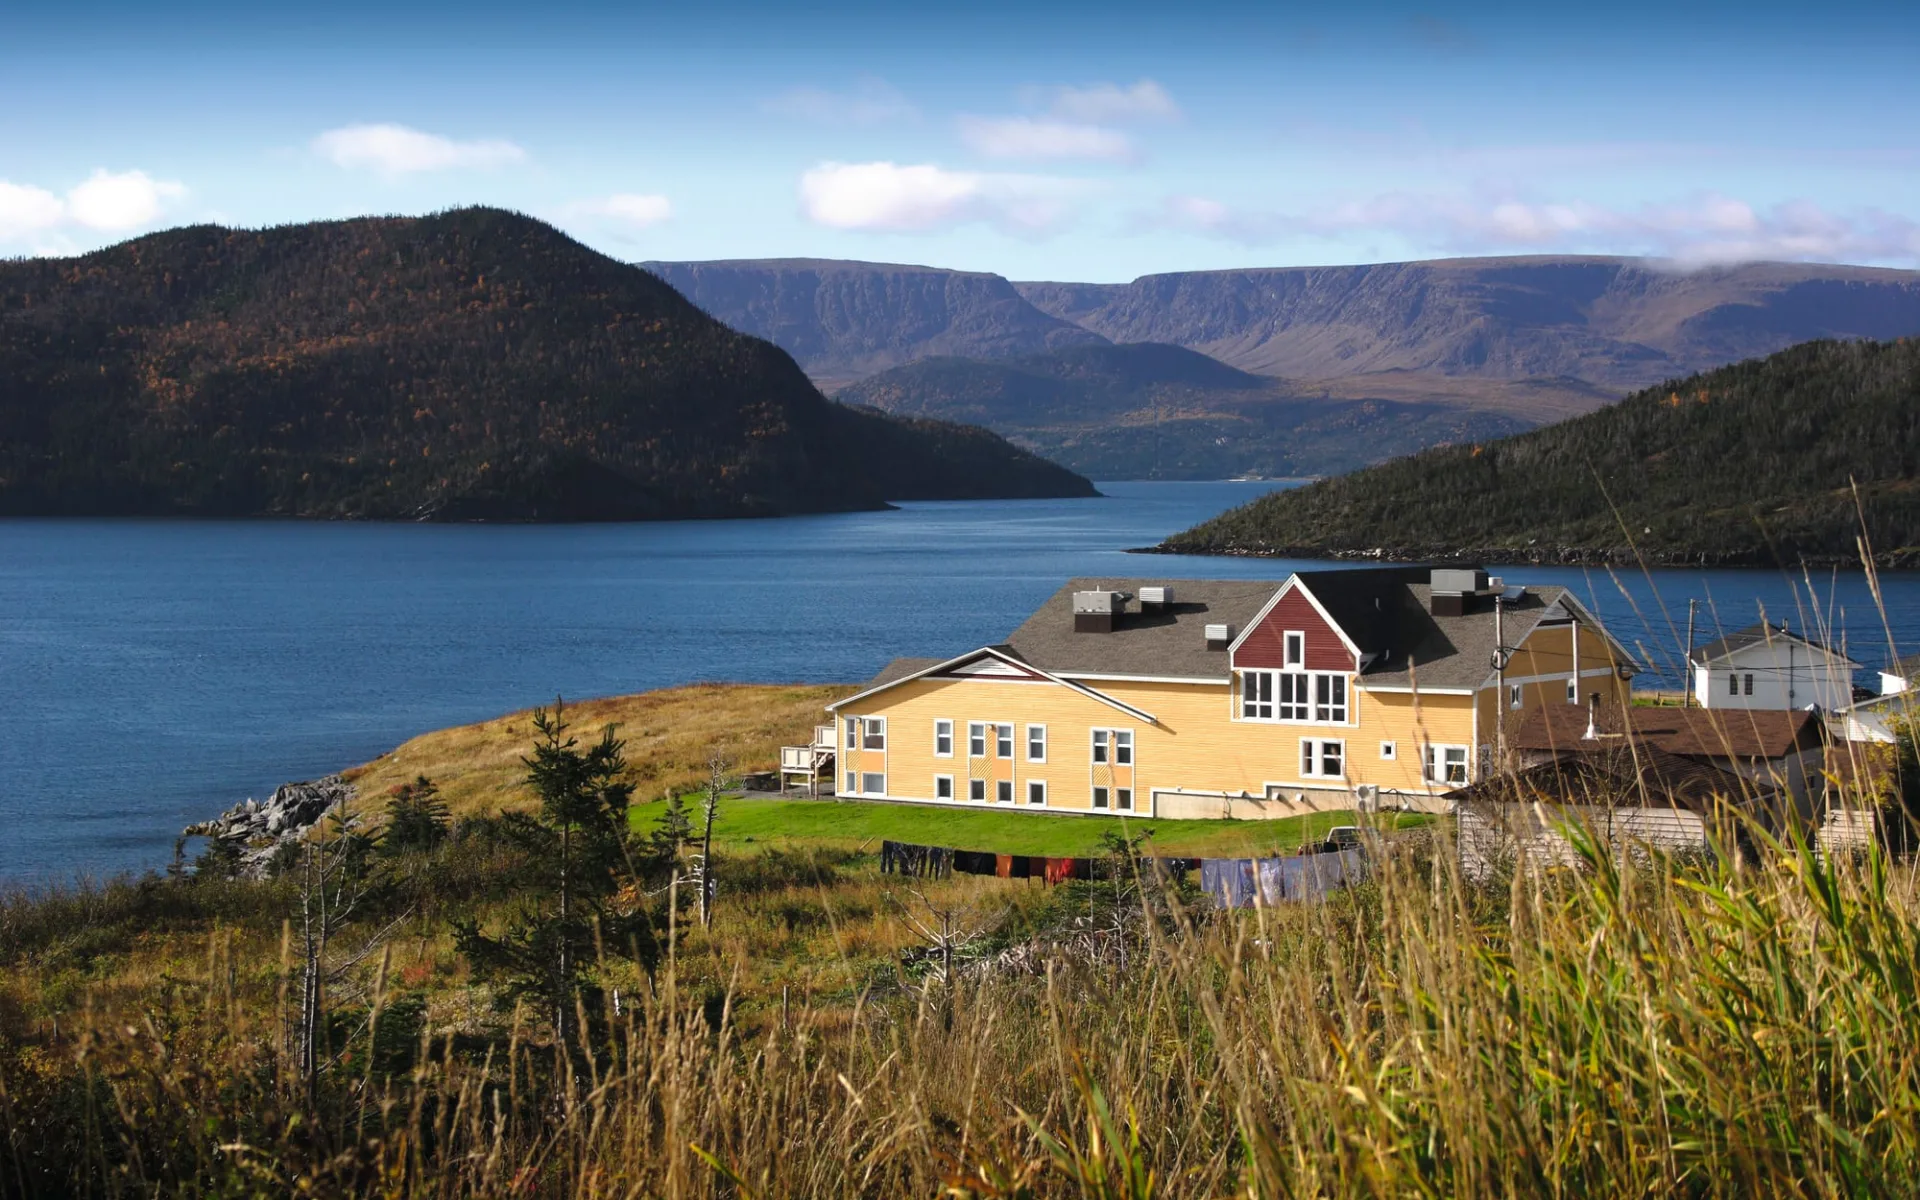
473, 365
1148, 411
1749, 464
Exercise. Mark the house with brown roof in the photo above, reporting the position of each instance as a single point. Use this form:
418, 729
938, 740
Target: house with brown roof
1335, 689
1672, 778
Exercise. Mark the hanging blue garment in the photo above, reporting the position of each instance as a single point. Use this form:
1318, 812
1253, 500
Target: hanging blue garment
1230, 881
1272, 884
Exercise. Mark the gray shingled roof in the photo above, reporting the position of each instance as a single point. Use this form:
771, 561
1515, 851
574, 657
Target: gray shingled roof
1441, 652
899, 669
1753, 635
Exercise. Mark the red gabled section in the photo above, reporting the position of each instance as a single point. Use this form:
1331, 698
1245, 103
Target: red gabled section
1265, 646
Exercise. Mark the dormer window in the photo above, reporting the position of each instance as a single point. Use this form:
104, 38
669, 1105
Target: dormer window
1294, 655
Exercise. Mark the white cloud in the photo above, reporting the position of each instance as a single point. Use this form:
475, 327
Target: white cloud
25, 209
1041, 138
106, 202
128, 200
1704, 229
398, 150
890, 197
631, 208
869, 101
1145, 100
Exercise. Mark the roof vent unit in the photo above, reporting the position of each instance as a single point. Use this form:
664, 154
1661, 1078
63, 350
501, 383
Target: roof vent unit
1097, 612
1454, 590
1155, 599
1218, 636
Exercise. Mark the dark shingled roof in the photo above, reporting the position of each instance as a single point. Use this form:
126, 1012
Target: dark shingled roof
899, 669
1617, 775
1753, 635
1383, 609
1691, 732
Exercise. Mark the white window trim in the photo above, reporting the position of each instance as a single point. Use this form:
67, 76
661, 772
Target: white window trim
1434, 755
1042, 756
1013, 746
868, 723
866, 775
1287, 659
1093, 799
1128, 806
982, 785
1012, 792
1031, 785
852, 738
852, 782
977, 731
1389, 752
1318, 757
951, 794
1311, 681
938, 722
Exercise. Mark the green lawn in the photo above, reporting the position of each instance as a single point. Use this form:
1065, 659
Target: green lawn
859, 824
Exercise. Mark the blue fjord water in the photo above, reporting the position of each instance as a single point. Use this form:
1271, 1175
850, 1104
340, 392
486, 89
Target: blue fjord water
154, 672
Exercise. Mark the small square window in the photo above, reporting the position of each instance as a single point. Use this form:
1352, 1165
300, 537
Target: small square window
1006, 791
976, 789
1123, 798
873, 784
1036, 792
943, 787
1099, 797
1388, 751
873, 733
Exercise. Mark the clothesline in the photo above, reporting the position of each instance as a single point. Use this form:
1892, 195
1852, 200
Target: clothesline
1231, 882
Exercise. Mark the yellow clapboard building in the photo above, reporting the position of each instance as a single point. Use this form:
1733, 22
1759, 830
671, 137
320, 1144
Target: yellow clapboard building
1338, 689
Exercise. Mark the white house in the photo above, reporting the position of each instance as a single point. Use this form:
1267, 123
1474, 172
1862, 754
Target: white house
1770, 666
1900, 676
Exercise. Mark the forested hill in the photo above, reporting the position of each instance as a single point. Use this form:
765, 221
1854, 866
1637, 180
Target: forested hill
1748, 464
475, 364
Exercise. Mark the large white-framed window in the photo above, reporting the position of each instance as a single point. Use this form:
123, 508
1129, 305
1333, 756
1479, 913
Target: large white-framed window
1330, 699
1293, 649
1003, 791
1003, 741
1256, 695
1323, 758
976, 739
873, 783
943, 787
1447, 765
853, 733
1296, 690
943, 739
1036, 743
1037, 791
873, 733
977, 789
1294, 697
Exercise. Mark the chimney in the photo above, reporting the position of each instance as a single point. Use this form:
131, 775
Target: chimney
1154, 600
1593, 718
1097, 612
1454, 590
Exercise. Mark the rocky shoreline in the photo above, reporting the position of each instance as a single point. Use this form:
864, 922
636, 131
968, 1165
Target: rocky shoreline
1903, 559
258, 829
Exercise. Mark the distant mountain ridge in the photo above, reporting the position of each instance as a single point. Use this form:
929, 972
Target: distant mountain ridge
1151, 411
1613, 322
472, 365
845, 320
1769, 461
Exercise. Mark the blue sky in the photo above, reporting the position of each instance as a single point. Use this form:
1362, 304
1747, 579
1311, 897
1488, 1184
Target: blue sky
1088, 142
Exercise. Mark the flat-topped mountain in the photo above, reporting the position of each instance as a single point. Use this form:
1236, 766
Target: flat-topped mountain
1151, 411
1768, 461
476, 364
1615, 323
845, 320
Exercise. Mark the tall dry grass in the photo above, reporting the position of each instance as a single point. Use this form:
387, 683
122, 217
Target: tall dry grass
1658, 1029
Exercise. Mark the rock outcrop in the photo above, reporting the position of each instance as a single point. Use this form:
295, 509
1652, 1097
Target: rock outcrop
260, 829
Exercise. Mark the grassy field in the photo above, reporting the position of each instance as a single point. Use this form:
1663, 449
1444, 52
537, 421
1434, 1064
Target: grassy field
746, 822
669, 734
